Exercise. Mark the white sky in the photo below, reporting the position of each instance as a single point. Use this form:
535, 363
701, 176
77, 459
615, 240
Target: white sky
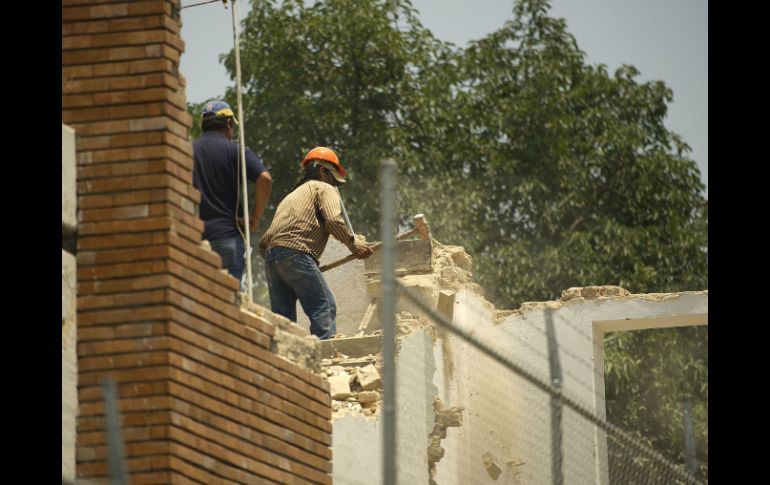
664, 39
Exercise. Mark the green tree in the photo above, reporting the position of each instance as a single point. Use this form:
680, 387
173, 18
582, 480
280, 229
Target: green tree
649, 374
554, 174
334, 74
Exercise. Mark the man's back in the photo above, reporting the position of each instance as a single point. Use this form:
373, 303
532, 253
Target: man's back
215, 175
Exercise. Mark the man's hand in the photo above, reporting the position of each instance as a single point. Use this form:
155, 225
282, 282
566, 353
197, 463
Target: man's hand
253, 222
362, 251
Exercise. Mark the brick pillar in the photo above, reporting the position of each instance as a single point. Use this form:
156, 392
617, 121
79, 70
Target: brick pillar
201, 395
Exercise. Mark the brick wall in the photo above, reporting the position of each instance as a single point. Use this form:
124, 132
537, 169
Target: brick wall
202, 397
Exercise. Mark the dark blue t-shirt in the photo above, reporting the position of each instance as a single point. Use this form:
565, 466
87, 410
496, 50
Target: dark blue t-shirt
215, 175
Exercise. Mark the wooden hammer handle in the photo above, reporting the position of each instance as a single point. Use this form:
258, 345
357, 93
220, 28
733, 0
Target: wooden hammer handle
375, 247
349, 257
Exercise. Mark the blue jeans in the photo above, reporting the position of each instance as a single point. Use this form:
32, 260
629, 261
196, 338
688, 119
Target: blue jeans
231, 250
293, 275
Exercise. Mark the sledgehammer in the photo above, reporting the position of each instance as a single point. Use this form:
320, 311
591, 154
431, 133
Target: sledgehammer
420, 227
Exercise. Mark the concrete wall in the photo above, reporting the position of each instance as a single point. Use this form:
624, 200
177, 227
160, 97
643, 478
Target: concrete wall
69, 370
507, 420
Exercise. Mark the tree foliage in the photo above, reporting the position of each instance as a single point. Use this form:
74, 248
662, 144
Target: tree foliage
649, 374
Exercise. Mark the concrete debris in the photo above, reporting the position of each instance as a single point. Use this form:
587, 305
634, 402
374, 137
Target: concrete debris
444, 418
571, 293
407, 323
339, 386
490, 465
591, 292
291, 341
462, 259
368, 377
367, 398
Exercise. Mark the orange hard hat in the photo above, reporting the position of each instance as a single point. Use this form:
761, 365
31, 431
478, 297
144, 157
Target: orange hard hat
326, 155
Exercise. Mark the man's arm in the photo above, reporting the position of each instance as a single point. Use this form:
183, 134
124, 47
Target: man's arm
261, 196
331, 209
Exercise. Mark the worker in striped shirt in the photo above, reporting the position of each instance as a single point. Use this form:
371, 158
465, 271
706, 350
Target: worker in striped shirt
293, 244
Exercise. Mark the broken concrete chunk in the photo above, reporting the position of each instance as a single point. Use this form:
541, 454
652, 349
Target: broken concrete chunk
611, 290
368, 377
571, 293
462, 259
368, 397
592, 291
489, 464
339, 387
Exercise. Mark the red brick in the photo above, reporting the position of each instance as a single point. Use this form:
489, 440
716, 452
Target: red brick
117, 332
227, 425
126, 169
102, 317
191, 378
224, 432
196, 251
190, 397
134, 154
157, 415
133, 465
136, 389
76, 72
199, 275
138, 225
123, 377
133, 37
260, 335
120, 25
252, 459
145, 81
239, 379
111, 113
130, 433
124, 212
124, 362
121, 240
253, 363
138, 197
90, 56
121, 300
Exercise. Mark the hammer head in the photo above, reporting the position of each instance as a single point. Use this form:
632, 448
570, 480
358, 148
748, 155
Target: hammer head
421, 224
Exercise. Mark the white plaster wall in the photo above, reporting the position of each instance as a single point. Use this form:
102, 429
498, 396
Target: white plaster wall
348, 284
68, 168
69, 370
357, 442
509, 418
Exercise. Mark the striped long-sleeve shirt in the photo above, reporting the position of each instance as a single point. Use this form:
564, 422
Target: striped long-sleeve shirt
305, 218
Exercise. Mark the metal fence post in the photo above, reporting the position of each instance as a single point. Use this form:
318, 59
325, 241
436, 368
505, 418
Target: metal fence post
557, 473
387, 314
689, 439
114, 439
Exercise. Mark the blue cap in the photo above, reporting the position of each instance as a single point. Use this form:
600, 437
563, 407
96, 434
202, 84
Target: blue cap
218, 109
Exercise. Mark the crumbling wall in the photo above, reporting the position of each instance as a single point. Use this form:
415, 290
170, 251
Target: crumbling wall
498, 424
358, 425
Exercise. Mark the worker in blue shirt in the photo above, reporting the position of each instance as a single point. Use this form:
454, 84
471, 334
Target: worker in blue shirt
217, 175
